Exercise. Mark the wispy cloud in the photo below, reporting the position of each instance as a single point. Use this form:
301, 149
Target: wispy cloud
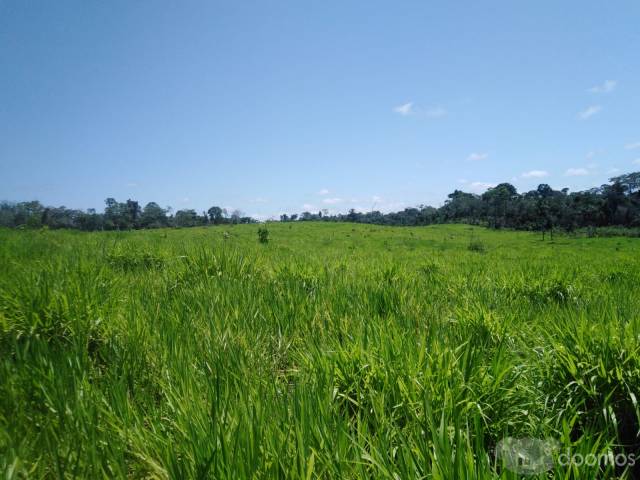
613, 170
404, 109
589, 112
308, 206
474, 157
606, 87
131, 184
323, 191
636, 161
332, 201
576, 172
632, 146
479, 187
410, 108
535, 174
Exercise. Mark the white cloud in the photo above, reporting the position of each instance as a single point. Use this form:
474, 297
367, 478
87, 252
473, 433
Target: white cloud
474, 157
576, 172
132, 184
308, 206
323, 191
589, 112
332, 201
435, 112
376, 198
260, 200
632, 146
186, 200
613, 170
404, 109
410, 109
606, 87
636, 161
535, 174
479, 187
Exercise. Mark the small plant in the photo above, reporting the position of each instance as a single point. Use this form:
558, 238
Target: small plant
128, 260
477, 246
263, 235
429, 270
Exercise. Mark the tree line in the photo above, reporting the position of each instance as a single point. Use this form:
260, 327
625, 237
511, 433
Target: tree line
616, 203
116, 216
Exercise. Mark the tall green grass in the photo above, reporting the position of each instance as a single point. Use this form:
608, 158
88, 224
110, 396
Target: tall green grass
332, 351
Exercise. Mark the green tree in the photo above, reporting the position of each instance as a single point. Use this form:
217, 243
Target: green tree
215, 215
186, 218
153, 216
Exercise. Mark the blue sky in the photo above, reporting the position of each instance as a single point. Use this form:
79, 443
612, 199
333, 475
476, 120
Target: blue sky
275, 107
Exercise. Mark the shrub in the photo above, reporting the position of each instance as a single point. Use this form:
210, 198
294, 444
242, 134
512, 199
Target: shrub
134, 260
263, 235
477, 246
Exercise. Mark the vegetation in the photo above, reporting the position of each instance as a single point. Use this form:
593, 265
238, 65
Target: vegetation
263, 235
332, 351
117, 216
542, 209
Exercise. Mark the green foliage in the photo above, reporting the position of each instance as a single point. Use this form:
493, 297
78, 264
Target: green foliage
340, 351
611, 209
477, 246
130, 260
263, 235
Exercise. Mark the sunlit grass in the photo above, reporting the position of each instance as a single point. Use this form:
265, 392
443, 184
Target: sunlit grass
330, 351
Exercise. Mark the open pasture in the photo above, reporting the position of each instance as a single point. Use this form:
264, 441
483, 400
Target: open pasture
332, 351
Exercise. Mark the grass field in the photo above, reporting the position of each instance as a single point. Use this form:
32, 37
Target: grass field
332, 351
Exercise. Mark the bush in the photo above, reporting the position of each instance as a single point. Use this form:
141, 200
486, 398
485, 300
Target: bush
263, 235
130, 260
477, 246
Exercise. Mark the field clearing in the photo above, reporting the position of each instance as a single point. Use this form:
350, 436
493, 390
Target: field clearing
332, 351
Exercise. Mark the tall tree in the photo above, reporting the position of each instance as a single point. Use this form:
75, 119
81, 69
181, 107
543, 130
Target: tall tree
215, 215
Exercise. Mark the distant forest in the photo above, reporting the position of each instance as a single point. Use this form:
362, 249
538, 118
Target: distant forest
616, 203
